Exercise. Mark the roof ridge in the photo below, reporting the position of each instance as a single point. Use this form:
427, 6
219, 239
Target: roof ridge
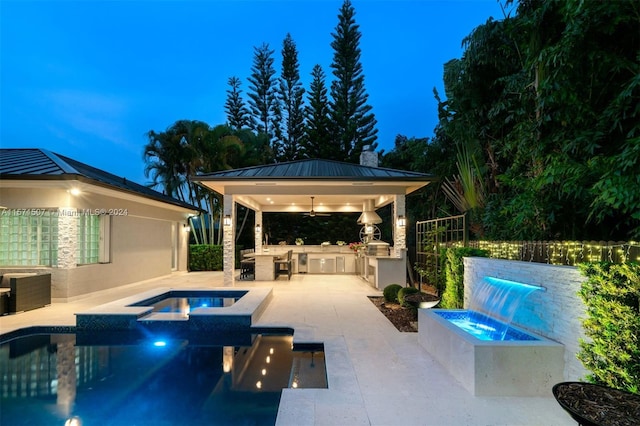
64, 166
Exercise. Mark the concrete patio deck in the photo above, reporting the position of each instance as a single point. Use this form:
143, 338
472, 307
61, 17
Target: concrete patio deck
376, 374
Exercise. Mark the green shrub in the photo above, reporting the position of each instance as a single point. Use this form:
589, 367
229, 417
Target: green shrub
612, 352
453, 294
390, 292
405, 291
205, 257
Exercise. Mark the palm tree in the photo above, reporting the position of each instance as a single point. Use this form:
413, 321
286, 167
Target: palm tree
189, 147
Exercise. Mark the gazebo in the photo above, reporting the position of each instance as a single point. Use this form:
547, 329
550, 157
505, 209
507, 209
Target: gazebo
289, 186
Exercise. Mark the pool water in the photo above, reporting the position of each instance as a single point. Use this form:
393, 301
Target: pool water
116, 378
189, 304
484, 327
184, 302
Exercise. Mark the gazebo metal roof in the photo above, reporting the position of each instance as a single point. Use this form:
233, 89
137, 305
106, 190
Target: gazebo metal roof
336, 186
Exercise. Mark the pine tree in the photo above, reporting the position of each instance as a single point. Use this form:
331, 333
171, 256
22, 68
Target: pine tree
317, 140
262, 90
237, 113
352, 119
290, 110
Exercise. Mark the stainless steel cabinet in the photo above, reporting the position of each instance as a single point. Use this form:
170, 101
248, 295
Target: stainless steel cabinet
322, 266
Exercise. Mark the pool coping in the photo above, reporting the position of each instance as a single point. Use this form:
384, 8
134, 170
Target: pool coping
120, 315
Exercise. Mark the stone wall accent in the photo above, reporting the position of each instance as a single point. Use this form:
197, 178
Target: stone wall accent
228, 243
555, 313
67, 237
400, 232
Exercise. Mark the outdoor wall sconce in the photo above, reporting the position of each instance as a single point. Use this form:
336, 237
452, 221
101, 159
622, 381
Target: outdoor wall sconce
226, 221
258, 229
186, 228
402, 221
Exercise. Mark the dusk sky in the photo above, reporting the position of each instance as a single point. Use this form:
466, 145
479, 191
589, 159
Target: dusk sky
88, 79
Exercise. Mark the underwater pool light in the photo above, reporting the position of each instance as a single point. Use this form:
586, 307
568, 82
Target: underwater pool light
73, 421
160, 343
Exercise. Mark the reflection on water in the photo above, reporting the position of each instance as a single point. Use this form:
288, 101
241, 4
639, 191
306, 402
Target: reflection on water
126, 379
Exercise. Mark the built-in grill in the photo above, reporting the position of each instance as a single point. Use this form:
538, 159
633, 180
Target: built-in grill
377, 248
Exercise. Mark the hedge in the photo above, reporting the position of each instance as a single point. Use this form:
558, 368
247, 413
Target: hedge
205, 257
453, 295
611, 294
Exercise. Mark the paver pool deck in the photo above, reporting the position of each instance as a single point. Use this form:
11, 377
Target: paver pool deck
376, 374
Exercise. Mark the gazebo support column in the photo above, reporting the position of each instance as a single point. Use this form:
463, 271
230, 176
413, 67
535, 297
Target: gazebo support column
228, 242
258, 233
399, 232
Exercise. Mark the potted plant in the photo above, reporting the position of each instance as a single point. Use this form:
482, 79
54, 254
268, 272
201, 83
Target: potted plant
299, 241
596, 405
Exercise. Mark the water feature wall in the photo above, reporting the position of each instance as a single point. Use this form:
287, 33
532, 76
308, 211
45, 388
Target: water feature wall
555, 313
500, 298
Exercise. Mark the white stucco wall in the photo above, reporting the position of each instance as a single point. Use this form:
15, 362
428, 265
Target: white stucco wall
140, 238
555, 313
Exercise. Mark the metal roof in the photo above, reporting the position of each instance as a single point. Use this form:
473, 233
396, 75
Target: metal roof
336, 186
315, 169
40, 164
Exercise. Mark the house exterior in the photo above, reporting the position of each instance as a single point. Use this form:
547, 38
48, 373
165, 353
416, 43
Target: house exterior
90, 229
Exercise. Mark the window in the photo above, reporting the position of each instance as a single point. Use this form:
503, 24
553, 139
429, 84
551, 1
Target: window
28, 237
93, 239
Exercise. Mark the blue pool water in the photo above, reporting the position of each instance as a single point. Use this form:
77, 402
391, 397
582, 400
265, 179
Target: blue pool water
180, 301
483, 327
126, 378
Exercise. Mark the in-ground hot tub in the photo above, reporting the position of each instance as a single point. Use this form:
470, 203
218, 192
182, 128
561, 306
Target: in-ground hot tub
525, 365
166, 309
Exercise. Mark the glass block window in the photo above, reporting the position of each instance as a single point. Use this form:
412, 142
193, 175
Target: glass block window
28, 237
88, 239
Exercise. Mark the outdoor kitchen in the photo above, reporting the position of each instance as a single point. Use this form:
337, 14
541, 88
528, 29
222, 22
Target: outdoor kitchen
313, 188
371, 259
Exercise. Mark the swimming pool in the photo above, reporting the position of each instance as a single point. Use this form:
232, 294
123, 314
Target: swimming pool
118, 377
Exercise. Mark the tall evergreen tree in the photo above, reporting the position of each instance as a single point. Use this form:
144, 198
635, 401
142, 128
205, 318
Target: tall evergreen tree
262, 90
317, 142
354, 123
290, 110
237, 112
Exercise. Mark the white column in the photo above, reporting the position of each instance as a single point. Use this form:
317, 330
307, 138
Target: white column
228, 242
258, 235
67, 237
399, 232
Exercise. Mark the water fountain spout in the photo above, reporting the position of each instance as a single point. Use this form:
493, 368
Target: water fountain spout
500, 298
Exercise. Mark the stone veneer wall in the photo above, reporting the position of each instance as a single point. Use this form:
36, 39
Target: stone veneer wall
555, 313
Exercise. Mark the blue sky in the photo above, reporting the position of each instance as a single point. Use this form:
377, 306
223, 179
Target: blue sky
88, 79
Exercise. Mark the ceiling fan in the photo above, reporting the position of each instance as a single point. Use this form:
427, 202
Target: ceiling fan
312, 213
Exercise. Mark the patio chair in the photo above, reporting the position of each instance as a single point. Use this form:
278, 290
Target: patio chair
247, 268
284, 266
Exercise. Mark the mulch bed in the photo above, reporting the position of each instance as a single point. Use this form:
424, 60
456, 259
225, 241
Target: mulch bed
404, 319
598, 405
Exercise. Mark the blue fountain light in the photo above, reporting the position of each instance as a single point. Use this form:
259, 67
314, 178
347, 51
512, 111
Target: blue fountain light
500, 298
